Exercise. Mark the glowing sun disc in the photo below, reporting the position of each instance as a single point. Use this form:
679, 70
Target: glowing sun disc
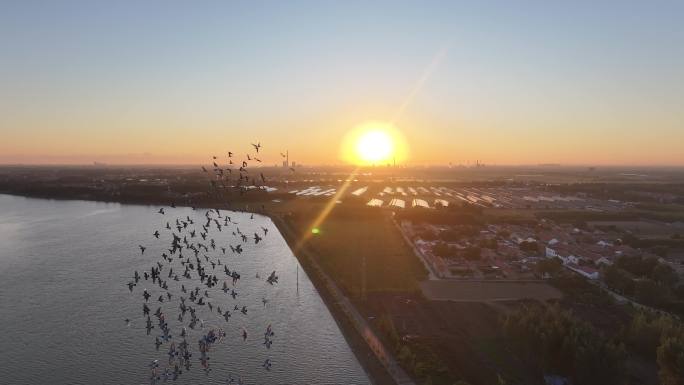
374, 143
374, 146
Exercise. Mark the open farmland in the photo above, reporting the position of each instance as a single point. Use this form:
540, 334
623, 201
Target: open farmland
465, 336
352, 236
644, 229
484, 291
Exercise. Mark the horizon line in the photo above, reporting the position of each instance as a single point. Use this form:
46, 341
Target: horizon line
345, 165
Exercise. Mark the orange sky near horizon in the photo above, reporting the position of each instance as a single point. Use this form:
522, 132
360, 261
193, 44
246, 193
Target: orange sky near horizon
323, 147
429, 142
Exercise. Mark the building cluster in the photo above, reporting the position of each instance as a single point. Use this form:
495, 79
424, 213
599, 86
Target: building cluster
457, 251
507, 251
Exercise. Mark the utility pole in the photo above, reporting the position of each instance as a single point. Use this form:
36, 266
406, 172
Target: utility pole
363, 278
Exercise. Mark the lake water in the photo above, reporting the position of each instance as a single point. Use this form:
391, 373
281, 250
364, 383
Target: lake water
64, 266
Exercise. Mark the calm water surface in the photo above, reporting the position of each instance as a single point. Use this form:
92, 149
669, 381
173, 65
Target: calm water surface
63, 301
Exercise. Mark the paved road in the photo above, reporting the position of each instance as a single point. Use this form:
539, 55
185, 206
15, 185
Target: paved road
433, 274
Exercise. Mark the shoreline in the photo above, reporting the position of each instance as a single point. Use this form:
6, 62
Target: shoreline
374, 369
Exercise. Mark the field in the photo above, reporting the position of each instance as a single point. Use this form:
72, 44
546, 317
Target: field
644, 229
440, 331
441, 340
465, 336
350, 235
481, 291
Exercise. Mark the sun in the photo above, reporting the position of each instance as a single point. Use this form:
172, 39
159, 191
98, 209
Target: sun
374, 146
374, 143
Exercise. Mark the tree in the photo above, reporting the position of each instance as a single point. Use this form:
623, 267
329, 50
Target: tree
450, 235
561, 343
645, 332
599, 362
488, 244
529, 246
671, 360
660, 251
618, 279
679, 291
427, 235
550, 266
650, 293
443, 250
664, 275
472, 253
639, 266
406, 356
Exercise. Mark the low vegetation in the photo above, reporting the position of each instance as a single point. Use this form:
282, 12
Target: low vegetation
353, 237
417, 357
586, 336
648, 281
559, 343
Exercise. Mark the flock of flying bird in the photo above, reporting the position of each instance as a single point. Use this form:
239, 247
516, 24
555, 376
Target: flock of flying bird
193, 263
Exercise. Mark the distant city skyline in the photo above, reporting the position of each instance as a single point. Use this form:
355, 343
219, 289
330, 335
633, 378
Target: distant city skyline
576, 83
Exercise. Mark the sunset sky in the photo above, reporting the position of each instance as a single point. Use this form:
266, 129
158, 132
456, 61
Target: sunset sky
501, 82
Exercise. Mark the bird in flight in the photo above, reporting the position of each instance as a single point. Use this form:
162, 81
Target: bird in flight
197, 272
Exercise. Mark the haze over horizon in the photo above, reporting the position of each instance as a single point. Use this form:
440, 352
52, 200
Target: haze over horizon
170, 82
